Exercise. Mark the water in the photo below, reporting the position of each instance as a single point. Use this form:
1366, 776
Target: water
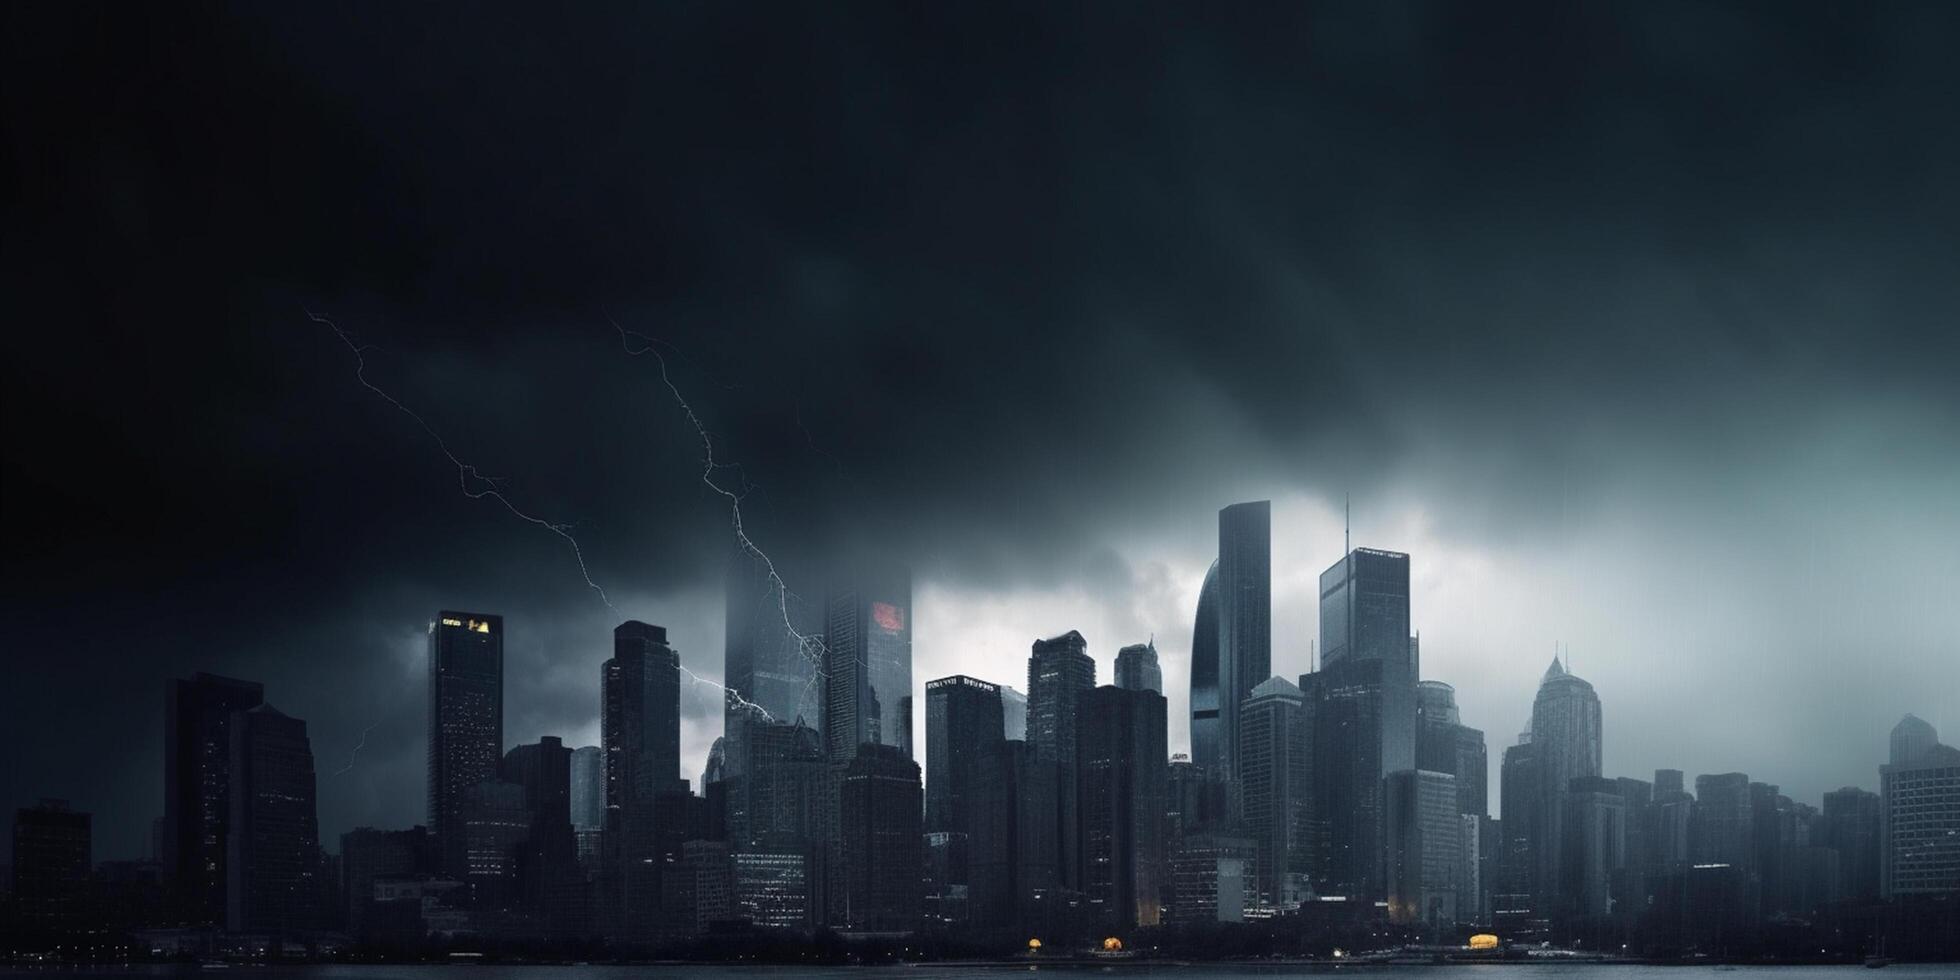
1200, 971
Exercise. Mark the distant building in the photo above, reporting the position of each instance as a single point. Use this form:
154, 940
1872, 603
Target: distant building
963, 724
1365, 712
588, 804
1850, 826
1566, 741
1919, 814
1013, 714
1245, 615
1211, 879
1594, 832
868, 663
1425, 846
466, 722
1275, 785
367, 854
1205, 720
1014, 851
1122, 761
882, 835
1060, 676
197, 789
771, 655
1137, 668
53, 851
272, 854
1444, 744
1723, 829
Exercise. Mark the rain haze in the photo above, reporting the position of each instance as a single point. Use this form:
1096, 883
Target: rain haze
1633, 326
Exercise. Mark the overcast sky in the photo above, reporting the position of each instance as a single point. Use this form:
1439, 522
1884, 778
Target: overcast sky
1633, 324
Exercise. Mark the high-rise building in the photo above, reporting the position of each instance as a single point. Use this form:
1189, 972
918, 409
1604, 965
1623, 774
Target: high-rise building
1060, 673
466, 721
1365, 693
1122, 759
1205, 721
197, 788
1275, 781
1197, 799
963, 723
496, 830
868, 663
1013, 714
1060, 676
588, 802
1424, 835
1566, 739
367, 854
773, 886
1245, 614
1919, 814
772, 652
1014, 849
1723, 828
1137, 668
272, 859
1513, 902
1850, 826
781, 792
1668, 782
882, 836
550, 879
1593, 830
53, 846
639, 729
1444, 744
1364, 615
1211, 879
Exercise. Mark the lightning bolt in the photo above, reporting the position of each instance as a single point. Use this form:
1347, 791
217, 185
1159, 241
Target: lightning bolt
811, 648
476, 486
354, 756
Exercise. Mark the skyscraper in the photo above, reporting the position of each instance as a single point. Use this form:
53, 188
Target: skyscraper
53, 846
1060, 675
1444, 744
272, 859
1122, 759
963, 723
1015, 853
1205, 721
1513, 899
1137, 668
1245, 614
639, 728
1565, 738
1275, 782
1919, 814
881, 841
1594, 833
1425, 846
868, 662
771, 654
197, 788
466, 721
549, 878
1850, 826
1366, 722
1364, 615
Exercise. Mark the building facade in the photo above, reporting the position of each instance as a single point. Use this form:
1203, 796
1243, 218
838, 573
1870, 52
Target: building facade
466, 721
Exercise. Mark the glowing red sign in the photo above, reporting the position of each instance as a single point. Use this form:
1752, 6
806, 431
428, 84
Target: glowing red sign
888, 616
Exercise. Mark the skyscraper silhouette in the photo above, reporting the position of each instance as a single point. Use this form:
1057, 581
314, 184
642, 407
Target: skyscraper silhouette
197, 788
466, 722
1205, 720
272, 853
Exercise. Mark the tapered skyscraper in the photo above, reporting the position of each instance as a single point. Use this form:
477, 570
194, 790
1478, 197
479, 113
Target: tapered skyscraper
1565, 738
1204, 675
1245, 614
466, 722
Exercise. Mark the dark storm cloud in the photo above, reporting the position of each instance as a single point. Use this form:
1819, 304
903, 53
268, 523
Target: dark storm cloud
1002, 293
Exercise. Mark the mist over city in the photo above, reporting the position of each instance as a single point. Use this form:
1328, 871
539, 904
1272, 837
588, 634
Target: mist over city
1496, 407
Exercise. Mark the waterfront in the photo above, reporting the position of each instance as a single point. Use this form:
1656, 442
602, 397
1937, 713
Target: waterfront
1200, 971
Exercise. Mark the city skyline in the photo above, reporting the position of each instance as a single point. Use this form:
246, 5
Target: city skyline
1630, 324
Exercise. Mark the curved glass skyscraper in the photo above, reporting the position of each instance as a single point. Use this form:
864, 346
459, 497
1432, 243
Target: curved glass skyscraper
1204, 675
